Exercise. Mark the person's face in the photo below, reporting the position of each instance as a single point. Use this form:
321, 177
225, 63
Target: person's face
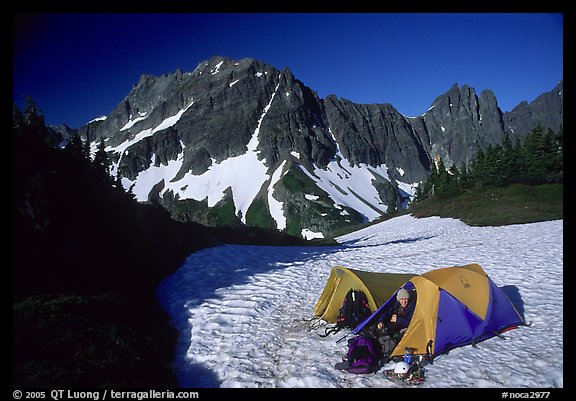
403, 302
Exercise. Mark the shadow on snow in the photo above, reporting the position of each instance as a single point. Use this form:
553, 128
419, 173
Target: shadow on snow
206, 271
514, 296
351, 243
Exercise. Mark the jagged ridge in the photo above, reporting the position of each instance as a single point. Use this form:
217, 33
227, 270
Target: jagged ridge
241, 142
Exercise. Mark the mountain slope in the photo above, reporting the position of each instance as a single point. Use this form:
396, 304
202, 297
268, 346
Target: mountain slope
241, 142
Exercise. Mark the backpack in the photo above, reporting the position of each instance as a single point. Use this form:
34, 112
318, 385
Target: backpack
354, 310
363, 355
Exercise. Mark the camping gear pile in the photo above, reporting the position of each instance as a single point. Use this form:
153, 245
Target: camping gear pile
409, 370
455, 306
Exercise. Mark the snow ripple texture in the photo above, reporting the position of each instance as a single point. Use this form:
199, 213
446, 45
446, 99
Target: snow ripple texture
241, 310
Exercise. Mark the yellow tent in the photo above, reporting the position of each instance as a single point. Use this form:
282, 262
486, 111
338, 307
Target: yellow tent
378, 287
455, 306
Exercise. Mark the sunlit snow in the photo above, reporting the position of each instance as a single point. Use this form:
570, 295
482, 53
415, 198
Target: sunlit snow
276, 207
429, 108
309, 234
241, 311
130, 123
101, 118
351, 186
166, 123
216, 68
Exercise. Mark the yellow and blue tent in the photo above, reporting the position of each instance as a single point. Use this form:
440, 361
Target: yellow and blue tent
455, 306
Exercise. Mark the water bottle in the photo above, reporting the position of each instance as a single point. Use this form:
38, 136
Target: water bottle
408, 356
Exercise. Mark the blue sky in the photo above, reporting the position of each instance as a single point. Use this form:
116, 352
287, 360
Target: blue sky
80, 66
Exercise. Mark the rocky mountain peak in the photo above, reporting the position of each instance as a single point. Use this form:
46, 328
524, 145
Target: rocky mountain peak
251, 143
546, 110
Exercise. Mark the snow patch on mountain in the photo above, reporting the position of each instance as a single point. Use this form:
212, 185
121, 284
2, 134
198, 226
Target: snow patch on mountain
151, 176
101, 118
166, 123
216, 68
276, 207
351, 185
310, 235
131, 122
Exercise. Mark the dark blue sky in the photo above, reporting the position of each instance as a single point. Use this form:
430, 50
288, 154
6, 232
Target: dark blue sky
80, 66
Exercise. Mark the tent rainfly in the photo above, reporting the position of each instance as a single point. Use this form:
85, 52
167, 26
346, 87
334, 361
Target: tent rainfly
378, 287
455, 306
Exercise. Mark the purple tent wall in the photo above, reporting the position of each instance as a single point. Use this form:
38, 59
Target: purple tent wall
501, 314
456, 325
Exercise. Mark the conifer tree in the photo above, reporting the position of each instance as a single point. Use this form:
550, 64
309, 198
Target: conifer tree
419, 194
86, 147
508, 164
432, 182
477, 168
558, 157
33, 116
391, 206
102, 163
453, 186
465, 178
75, 148
535, 156
442, 181
553, 151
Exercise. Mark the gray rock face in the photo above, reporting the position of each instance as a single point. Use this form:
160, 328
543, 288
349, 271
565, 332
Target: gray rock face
296, 122
60, 135
459, 123
546, 110
326, 162
377, 134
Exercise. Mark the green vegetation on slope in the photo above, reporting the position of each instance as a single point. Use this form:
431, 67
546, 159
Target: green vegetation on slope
496, 206
258, 215
511, 183
486, 206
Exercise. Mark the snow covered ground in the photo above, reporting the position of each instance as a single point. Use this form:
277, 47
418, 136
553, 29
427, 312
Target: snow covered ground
241, 310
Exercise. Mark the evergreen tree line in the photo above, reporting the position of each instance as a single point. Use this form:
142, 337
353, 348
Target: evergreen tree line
538, 159
31, 134
99, 164
87, 259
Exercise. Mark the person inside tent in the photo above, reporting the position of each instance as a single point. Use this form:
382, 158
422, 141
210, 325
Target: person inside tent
393, 324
